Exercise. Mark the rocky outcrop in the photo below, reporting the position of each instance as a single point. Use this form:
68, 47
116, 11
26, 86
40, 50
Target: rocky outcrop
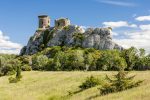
72, 35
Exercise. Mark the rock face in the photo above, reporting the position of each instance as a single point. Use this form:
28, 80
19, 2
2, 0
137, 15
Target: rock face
70, 35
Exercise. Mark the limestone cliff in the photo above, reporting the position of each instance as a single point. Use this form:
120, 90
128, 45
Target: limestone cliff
70, 35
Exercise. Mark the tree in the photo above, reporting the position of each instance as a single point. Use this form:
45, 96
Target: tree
0, 63
39, 62
88, 59
130, 55
111, 60
18, 73
95, 55
56, 62
119, 82
142, 52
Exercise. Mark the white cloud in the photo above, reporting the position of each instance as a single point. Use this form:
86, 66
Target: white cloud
143, 18
133, 25
7, 46
145, 27
119, 24
117, 3
139, 39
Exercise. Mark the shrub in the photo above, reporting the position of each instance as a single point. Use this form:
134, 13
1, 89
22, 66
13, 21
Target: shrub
26, 68
13, 80
78, 39
1, 74
66, 28
11, 72
18, 76
118, 83
90, 82
54, 51
7, 69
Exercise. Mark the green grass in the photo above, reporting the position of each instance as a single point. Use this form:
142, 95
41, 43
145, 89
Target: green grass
55, 86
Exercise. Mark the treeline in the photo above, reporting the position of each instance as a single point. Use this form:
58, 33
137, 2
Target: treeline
64, 58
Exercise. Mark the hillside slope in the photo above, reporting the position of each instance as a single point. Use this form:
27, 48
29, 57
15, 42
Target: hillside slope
55, 85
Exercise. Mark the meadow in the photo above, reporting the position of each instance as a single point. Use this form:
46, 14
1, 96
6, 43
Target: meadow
56, 85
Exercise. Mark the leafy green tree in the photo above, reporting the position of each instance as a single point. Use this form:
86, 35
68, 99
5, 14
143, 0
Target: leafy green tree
0, 63
76, 60
56, 61
10, 67
111, 60
142, 61
18, 73
96, 54
39, 62
130, 55
88, 59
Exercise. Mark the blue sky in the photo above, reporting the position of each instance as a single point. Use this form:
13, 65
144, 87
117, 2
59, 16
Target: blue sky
130, 19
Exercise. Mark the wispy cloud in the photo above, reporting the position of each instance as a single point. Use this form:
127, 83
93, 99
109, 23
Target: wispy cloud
117, 3
119, 24
143, 18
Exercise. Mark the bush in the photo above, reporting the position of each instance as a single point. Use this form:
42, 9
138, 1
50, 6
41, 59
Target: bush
26, 68
1, 74
11, 72
13, 80
7, 70
90, 82
66, 28
18, 76
118, 83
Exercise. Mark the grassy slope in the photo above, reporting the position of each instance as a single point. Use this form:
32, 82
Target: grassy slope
55, 85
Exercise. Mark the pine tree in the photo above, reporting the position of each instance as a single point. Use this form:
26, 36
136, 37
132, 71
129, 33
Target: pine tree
119, 82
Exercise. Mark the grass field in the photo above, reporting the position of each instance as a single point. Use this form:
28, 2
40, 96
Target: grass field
37, 85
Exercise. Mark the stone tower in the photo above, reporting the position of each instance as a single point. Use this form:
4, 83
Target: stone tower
61, 22
44, 21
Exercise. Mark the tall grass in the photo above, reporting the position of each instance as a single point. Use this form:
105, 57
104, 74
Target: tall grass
37, 85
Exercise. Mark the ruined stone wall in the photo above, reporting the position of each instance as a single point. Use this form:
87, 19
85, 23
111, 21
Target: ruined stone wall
62, 22
44, 21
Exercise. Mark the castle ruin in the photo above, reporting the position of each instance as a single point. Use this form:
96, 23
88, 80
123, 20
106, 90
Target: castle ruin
61, 22
72, 35
44, 22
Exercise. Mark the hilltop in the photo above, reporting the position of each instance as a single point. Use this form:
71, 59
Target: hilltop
63, 33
